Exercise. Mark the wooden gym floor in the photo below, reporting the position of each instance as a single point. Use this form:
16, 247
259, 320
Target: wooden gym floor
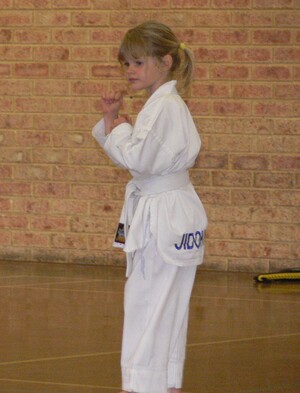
60, 331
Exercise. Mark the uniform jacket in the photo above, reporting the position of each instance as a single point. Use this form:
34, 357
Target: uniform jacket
158, 151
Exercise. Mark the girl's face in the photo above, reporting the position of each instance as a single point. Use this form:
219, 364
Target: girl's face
147, 73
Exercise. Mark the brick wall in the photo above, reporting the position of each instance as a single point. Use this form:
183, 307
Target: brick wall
60, 196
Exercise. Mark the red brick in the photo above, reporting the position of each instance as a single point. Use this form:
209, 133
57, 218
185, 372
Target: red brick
287, 55
53, 122
230, 143
286, 162
30, 239
105, 209
15, 52
7, 138
6, 4
5, 206
90, 19
56, 18
68, 241
231, 108
252, 55
32, 70
99, 242
272, 37
13, 155
33, 105
88, 157
65, 4
250, 162
211, 55
210, 90
32, 172
269, 250
249, 231
210, 19
91, 54
59, 224
286, 197
70, 105
88, 87
5, 172
276, 109
33, 138
249, 197
252, 126
242, 18
74, 140
53, 190
70, 36
276, 144
212, 161
91, 192
230, 72
11, 189
72, 174
229, 37
273, 4
288, 91
106, 71
56, 87
16, 18
5, 35
52, 53
70, 207
91, 224
111, 4
146, 4
285, 233
32, 36
288, 19
50, 156
214, 125
13, 222
231, 179
109, 36
273, 180
269, 72
271, 214
252, 91
231, 4
287, 126
190, 4
15, 121
228, 248
33, 4
31, 205
5, 70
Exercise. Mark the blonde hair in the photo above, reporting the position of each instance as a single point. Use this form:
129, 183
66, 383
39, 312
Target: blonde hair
157, 40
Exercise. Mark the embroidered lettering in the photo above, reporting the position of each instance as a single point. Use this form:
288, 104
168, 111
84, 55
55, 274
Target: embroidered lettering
189, 240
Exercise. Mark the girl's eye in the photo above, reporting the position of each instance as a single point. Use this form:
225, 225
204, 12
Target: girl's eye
126, 64
139, 63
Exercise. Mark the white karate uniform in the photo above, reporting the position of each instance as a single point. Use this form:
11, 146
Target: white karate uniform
165, 225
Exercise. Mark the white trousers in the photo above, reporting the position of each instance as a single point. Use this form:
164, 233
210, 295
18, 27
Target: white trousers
156, 308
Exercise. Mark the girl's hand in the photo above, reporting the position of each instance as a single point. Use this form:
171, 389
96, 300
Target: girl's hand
120, 120
111, 102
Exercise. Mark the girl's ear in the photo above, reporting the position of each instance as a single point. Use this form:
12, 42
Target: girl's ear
167, 62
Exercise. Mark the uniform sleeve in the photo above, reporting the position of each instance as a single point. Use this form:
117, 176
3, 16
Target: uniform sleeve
152, 147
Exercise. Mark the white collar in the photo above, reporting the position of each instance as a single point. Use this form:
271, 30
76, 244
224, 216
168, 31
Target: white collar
166, 88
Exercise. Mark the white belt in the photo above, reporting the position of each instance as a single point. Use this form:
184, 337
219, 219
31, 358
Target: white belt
153, 185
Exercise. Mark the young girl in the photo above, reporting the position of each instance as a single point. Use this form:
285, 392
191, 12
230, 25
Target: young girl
163, 219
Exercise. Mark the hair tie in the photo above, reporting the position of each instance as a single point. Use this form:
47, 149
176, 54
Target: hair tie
182, 46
